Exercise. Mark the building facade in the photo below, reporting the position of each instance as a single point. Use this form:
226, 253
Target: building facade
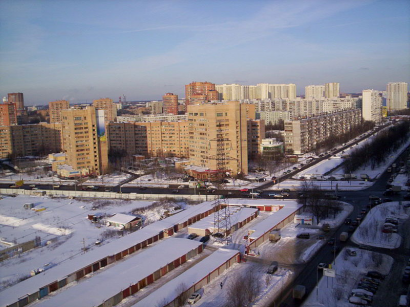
332, 90
30, 140
200, 92
259, 91
109, 107
55, 108
314, 92
218, 137
303, 135
8, 114
85, 150
397, 96
372, 106
170, 103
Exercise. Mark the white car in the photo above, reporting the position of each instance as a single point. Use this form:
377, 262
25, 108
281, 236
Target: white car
195, 297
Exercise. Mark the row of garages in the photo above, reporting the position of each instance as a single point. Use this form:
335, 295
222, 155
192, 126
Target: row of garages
195, 278
77, 268
110, 287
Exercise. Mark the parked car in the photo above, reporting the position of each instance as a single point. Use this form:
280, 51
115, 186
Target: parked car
348, 221
192, 236
331, 241
204, 239
363, 296
357, 301
370, 280
175, 191
218, 235
355, 223
195, 297
273, 267
321, 266
244, 190
303, 235
351, 252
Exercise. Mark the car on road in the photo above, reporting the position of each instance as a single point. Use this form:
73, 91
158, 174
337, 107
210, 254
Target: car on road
321, 266
175, 191
357, 301
331, 241
195, 297
244, 190
303, 235
285, 194
348, 221
363, 296
355, 223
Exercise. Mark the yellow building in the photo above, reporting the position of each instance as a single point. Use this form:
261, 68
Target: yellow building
109, 107
218, 137
55, 108
84, 148
30, 140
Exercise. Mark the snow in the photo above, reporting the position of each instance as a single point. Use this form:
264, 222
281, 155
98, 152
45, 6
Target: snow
121, 218
188, 278
111, 180
100, 287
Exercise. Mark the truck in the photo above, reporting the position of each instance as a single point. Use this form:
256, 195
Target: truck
343, 237
274, 236
299, 292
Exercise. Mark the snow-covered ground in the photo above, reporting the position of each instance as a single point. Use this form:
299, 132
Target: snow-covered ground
110, 180
63, 223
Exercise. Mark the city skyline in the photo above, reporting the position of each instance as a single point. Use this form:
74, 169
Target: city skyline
82, 51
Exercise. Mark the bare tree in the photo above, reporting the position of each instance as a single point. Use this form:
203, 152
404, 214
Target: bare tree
243, 290
182, 294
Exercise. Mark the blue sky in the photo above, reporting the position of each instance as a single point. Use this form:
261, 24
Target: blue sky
82, 50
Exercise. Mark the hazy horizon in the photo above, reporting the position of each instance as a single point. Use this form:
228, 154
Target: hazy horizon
85, 50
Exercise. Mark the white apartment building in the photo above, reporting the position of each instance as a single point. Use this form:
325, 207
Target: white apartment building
314, 92
372, 106
332, 90
397, 96
273, 117
262, 91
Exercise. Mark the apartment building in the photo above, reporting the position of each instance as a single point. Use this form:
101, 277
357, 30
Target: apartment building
303, 135
332, 90
170, 103
372, 106
109, 107
200, 92
397, 96
259, 91
86, 151
314, 92
8, 114
273, 117
218, 137
30, 140
150, 139
156, 107
256, 132
55, 108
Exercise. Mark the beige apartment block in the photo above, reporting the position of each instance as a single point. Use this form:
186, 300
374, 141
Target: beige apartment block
8, 114
200, 92
109, 107
170, 103
256, 133
332, 90
397, 96
303, 135
83, 147
30, 140
151, 139
55, 108
218, 137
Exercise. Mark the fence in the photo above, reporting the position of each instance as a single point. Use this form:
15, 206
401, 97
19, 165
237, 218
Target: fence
111, 195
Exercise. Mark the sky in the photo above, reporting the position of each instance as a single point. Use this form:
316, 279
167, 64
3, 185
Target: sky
81, 50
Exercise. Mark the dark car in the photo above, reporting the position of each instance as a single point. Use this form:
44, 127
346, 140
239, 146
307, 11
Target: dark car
304, 235
375, 274
218, 235
351, 228
175, 191
204, 239
348, 221
331, 241
407, 196
355, 223
192, 236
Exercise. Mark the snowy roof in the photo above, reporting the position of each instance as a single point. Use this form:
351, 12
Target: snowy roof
190, 277
121, 218
236, 217
262, 227
101, 287
31, 285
